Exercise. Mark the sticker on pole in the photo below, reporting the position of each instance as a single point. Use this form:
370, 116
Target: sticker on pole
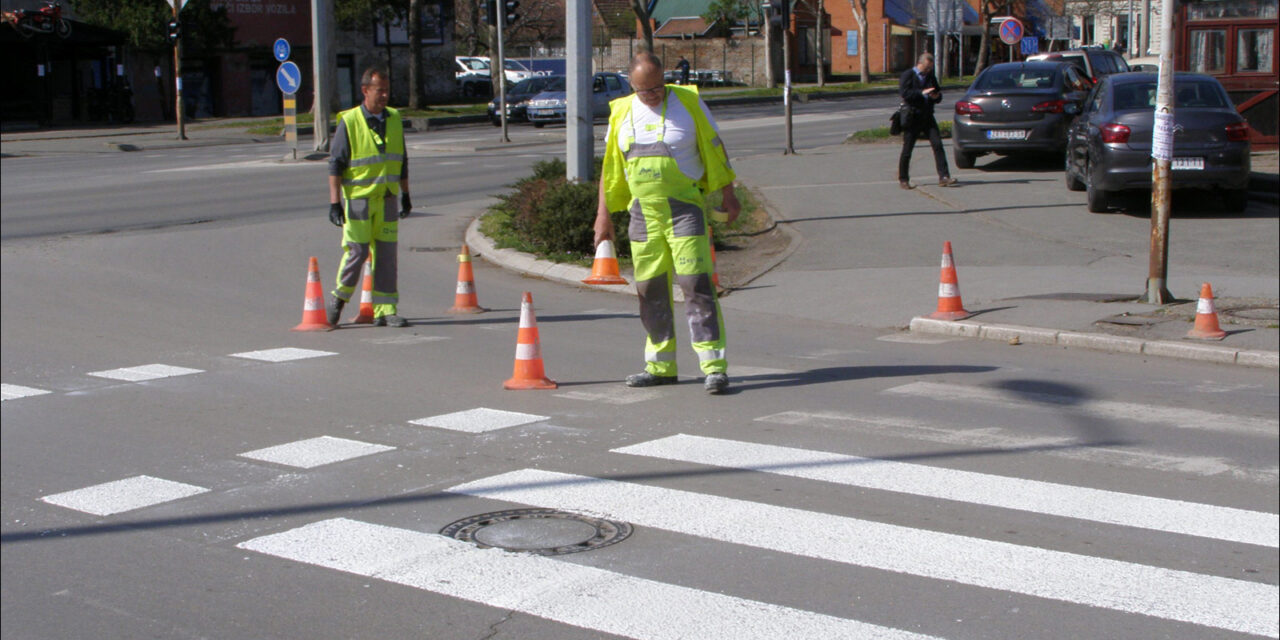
281, 49
289, 77
1011, 31
1162, 137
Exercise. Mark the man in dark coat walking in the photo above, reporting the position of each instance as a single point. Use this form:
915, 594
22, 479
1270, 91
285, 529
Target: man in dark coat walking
920, 92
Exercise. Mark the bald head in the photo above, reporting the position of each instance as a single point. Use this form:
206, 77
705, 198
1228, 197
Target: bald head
646, 78
646, 60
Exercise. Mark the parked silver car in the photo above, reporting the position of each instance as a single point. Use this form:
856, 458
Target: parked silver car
1109, 147
551, 105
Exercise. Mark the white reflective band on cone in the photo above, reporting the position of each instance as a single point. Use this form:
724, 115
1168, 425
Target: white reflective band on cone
946, 261
528, 352
466, 286
605, 250
1205, 306
948, 290
312, 304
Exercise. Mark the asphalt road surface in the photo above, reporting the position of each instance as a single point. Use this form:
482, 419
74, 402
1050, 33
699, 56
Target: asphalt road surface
177, 464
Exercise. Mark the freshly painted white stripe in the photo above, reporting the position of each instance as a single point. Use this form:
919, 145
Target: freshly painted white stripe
915, 338
407, 339
556, 590
1164, 593
959, 434
314, 452
1111, 507
15, 391
145, 372
479, 420
123, 495
1109, 409
283, 354
621, 396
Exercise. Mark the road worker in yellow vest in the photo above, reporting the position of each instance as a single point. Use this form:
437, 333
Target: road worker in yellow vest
367, 170
663, 154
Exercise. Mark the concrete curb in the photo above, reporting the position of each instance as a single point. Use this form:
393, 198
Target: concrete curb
1099, 342
529, 265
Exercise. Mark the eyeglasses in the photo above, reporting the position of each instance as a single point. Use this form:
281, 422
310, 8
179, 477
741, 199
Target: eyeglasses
650, 90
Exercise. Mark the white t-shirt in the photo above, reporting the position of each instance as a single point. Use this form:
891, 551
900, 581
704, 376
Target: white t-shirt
680, 133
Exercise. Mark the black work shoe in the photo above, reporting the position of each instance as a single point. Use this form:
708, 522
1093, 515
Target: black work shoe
390, 321
646, 379
716, 382
334, 310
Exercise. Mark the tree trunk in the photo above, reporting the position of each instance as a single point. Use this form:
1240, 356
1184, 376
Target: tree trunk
640, 8
984, 44
818, 42
416, 98
497, 67
864, 46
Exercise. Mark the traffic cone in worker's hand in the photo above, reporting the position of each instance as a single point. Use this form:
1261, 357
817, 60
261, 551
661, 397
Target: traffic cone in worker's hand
464, 300
528, 373
366, 297
1206, 327
313, 313
949, 305
605, 268
715, 275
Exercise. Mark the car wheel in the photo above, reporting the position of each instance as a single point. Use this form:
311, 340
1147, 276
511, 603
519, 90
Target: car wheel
1099, 200
497, 122
1236, 200
965, 160
1073, 182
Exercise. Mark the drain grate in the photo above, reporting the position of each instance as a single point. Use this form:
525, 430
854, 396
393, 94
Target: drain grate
545, 532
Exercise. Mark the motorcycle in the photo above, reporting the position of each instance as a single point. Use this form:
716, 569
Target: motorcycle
44, 21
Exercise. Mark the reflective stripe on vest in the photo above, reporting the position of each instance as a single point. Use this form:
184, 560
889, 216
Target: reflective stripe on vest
372, 172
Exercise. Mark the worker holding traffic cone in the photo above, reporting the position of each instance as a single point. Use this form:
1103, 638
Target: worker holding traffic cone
604, 270
464, 298
950, 306
1206, 327
528, 372
313, 314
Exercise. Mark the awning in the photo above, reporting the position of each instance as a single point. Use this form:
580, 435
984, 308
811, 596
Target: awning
898, 30
970, 14
899, 11
1038, 17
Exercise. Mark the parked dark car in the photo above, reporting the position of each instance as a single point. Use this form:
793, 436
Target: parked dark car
518, 96
1093, 62
551, 105
1110, 143
1017, 107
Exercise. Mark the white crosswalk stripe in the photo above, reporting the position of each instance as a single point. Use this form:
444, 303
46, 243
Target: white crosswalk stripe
1173, 516
1169, 594
577, 595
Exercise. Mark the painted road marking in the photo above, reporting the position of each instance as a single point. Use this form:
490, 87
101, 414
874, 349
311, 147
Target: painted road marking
1106, 409
1005, 440
479, 420
405, 339
314, 452
1111, 507
564, 592
123, 495
284, 354
1212, 601
915, 338
15, 391
145, 372
612, 397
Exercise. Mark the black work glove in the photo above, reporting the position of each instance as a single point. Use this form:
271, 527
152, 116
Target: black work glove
405, 205
335, 214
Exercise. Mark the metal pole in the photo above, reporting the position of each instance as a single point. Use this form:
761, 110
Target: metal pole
768, 51
578, 80
1144, 45
501, 68
818, 42
177, 77
786, 89
322, 70
1162, 153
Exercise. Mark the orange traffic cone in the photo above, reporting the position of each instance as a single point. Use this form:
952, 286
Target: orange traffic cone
313, 314
605, 268
528, 373
464, 300
1206, 327
715, 276
366, 297
949, 305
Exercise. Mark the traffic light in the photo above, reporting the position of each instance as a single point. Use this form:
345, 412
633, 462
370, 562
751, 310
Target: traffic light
780, 13
510, 7
490, 16
175, 31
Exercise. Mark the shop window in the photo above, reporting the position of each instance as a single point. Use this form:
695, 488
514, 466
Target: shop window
1255, 50
1208, 50
1230, 9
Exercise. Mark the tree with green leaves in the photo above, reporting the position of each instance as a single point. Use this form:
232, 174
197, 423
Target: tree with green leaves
726, 13
145, 23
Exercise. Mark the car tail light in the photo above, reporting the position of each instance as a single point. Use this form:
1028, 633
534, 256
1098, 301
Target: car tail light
1238, 131
1113, 132
1049, 106
964, 107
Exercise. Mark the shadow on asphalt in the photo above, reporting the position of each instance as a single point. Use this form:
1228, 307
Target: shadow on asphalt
854, 216
1065, 400
842, 374
1192, 204
1030, 162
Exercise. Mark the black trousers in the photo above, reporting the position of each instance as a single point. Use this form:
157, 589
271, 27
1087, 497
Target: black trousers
922, 125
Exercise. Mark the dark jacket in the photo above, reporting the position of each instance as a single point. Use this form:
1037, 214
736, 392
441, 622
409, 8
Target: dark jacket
911, 90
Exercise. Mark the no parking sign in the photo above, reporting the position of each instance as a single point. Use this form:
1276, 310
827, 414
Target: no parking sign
1011, 31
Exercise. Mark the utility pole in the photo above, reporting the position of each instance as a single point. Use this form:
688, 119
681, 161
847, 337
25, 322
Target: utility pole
175, 30
578, 117
786, 88
1162, 157
321, 69
819, 43
500, 66
1144, 45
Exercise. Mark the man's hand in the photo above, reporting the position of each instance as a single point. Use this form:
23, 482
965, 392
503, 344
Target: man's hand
335, 214
603, 227
928, 91
729, 202
405, 205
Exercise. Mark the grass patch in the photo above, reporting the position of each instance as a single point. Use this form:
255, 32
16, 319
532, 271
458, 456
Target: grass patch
814, 90
881, 134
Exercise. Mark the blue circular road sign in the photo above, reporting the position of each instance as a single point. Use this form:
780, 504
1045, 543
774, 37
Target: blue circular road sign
1011, 31
281, 49
289, 77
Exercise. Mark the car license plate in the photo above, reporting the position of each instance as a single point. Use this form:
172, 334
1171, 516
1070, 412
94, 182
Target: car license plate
1006, 134
1193, 164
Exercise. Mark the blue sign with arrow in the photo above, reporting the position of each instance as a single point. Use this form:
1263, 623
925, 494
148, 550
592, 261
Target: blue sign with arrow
289, 77
281, 49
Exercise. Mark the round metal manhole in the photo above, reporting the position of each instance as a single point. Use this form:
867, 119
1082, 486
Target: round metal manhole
545, 532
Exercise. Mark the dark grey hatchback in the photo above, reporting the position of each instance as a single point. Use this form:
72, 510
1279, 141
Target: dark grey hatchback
1017, 107
1110, 144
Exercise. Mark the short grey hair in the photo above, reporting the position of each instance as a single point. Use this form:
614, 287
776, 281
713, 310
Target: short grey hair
366, 78
925, 57
644, 59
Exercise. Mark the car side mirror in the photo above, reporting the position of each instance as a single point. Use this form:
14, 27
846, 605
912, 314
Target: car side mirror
1071, 109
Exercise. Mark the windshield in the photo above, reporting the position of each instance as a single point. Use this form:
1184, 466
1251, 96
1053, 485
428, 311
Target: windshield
1016, 78
1187, 94
475, 64
530, 85
512, 65
554, 83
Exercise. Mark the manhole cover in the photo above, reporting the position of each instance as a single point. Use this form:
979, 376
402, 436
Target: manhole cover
546, 532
